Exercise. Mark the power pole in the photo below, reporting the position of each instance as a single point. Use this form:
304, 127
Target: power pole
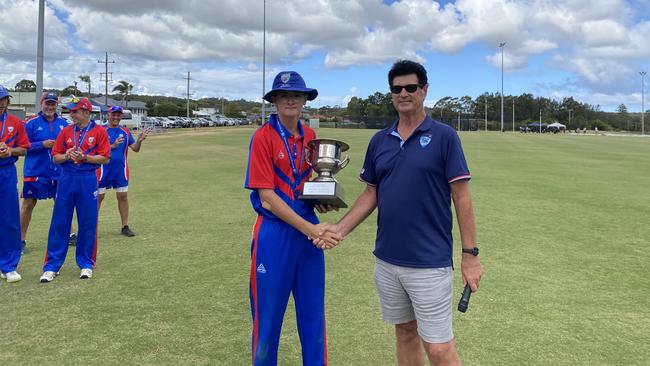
106, 77
188, 94
39, 56
486, 113
513, 114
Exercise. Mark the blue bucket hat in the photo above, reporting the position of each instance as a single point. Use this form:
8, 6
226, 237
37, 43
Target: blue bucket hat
290, 81
4, 93
116, 108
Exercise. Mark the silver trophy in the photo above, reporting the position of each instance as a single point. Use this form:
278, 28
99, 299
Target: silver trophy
325, 159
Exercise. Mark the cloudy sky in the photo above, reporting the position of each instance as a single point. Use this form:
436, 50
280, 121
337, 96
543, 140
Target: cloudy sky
590, 49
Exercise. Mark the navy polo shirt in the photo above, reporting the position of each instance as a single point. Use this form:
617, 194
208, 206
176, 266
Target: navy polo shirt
413, 194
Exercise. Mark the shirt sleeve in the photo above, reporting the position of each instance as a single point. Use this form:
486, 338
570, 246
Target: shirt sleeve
103, 144
59, 145
21, 136
368, 172
130, 137
260, 163
35, 145
456, 166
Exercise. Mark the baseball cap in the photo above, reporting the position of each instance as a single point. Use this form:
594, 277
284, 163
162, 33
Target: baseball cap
116, 108
79, 103
4, 93
290, 81
49, 96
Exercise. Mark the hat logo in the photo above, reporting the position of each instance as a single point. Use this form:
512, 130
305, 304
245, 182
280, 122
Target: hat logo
285, 77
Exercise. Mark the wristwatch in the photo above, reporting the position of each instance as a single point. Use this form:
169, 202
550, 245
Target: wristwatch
472, 251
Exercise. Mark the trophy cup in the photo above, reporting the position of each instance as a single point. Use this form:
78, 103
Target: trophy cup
325, 159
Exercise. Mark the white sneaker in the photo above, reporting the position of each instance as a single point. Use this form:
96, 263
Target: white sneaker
48, 276
11, 276
86, 273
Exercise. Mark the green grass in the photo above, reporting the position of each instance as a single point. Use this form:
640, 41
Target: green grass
562, 222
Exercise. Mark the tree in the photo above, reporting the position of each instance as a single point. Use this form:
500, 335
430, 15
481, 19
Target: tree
25, 86
86, 79
165, 109
124, 88
71, 90
623, 116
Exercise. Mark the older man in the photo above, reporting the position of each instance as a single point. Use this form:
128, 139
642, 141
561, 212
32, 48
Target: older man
413, 170
116, 173
80, 149
13, 143
39, 173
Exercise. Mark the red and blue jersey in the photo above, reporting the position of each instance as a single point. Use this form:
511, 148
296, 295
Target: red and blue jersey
413, 178
270, 165
91, 140
120, 153
12, 133
38, 161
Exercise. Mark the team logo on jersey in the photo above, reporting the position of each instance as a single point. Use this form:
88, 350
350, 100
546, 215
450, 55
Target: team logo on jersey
285, 77
424, 140
280, 155
91, 139
95, 194
69, 141
60, 127
39, 128
10, 129
261, 268
30, 192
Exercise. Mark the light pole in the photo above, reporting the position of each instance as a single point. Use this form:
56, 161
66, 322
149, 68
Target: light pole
513, 114
642, 73
486, 113
501, 45
570, 110
540, 120
264, 65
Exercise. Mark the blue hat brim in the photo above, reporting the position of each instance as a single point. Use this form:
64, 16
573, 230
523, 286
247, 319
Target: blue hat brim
311, 93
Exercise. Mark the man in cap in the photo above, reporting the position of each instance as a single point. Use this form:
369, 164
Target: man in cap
80, 149
13, 143
116, 173
283, 259
39, 172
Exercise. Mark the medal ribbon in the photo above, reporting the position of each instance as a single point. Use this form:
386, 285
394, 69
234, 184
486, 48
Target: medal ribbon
292, 156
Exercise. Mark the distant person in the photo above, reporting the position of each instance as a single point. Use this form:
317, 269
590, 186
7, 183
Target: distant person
80, 149
13, 143
40, 174
413, 170
116, 173
595, 130
283, 259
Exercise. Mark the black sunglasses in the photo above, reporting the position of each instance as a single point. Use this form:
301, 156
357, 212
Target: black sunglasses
411, 88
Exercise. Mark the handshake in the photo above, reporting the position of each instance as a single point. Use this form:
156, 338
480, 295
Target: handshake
326, 236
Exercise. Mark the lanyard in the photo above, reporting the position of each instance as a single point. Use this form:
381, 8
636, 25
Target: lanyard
82, 135
292, 156
3, 118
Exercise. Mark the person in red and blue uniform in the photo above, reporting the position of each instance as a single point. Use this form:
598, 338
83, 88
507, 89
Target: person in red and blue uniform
116, 173
80, 149
13, 143
39, 172
283, 259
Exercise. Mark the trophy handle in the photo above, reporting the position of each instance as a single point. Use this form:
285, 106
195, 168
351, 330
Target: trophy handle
345, 162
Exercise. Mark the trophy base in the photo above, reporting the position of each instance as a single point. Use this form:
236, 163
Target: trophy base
326, 193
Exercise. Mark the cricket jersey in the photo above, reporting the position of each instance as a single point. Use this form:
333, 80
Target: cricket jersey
38, 161
12, 133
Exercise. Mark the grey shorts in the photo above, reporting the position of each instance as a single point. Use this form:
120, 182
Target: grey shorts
421, 294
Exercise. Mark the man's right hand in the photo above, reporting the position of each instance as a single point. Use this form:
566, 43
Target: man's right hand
325, 230
117, 142
48, 144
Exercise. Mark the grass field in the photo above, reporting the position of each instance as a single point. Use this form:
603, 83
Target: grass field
562, 222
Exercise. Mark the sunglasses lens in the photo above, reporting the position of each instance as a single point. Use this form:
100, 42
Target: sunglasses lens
411, 88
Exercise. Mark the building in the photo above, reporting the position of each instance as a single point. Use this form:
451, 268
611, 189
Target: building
136, 107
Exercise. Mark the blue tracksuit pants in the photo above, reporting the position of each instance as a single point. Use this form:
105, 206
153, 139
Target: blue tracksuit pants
284, 262
73, 192
9, 219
